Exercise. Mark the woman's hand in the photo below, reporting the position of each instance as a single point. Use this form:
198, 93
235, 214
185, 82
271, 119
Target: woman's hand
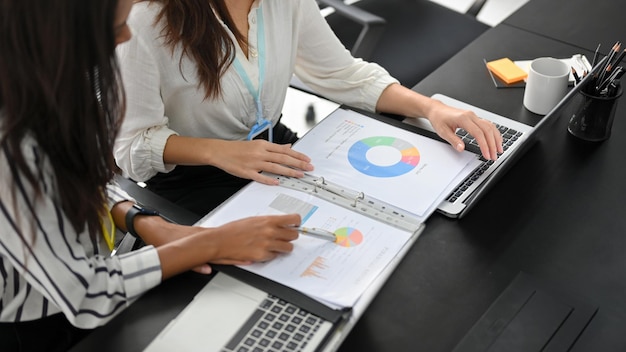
240, 242
446, 119
254, 239
244, 241
247, 159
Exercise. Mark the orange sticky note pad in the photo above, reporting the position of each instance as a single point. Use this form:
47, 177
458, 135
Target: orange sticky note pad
507, 70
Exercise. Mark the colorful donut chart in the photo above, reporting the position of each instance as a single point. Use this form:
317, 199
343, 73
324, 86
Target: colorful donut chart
357, 155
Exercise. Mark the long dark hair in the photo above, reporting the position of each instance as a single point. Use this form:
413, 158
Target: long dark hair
60, 84
193, 25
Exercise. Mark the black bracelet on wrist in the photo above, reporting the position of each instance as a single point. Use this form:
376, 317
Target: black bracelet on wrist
135, 210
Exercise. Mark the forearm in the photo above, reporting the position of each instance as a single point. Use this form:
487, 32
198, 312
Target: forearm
399, 100
444, 119
181, 150
245, 159
177, 250
189, 252
154, 230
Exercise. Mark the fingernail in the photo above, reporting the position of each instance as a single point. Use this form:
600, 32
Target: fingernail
206, 269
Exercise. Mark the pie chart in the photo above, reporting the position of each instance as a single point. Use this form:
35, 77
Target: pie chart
382, 156
348, 237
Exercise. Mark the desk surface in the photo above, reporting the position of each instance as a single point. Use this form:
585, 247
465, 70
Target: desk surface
582, 23
564, 224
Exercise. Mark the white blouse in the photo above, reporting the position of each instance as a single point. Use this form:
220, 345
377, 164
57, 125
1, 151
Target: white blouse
163, 96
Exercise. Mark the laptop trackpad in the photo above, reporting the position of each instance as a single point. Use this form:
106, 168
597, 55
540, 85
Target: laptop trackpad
528, 316
216, 312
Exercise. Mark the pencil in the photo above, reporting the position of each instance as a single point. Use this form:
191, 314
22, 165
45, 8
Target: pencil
619, 58
607, 64
576, 78
614, 76
595, 56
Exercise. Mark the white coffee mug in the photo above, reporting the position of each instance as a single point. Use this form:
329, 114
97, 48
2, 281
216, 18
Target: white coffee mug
546, 84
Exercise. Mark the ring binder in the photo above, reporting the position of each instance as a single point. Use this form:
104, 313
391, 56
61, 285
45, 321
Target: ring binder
361, 196
319, 182
354, 200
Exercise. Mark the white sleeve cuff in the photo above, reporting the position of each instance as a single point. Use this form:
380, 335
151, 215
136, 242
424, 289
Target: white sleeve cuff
141, 270
373, 90
158, 140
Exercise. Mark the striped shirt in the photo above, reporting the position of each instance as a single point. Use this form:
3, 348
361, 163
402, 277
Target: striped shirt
47, 268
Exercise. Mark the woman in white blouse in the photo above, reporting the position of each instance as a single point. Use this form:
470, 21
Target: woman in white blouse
61, 102
203, 77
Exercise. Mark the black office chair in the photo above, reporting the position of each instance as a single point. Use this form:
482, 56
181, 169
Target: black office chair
409, 38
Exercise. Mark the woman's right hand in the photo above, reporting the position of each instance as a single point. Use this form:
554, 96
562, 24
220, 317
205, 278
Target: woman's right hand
247, 159
240, 242
254, 239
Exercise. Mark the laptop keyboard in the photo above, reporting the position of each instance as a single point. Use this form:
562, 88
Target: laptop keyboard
509, 137
275, 326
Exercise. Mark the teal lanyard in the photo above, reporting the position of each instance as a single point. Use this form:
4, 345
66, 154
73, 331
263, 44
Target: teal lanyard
261, 123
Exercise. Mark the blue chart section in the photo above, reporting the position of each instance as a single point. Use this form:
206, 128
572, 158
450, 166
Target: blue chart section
357, 155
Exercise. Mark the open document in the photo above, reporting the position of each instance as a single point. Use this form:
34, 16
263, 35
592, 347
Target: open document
396, 166
335, 273
373, 186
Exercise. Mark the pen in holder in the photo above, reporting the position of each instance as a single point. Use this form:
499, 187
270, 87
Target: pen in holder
593, 114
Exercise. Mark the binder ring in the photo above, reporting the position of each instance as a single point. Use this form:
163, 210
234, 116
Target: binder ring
361, 195
319, 182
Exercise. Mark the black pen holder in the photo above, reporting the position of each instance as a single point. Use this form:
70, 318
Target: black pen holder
592, 116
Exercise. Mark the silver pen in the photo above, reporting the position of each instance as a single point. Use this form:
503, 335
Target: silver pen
315, 232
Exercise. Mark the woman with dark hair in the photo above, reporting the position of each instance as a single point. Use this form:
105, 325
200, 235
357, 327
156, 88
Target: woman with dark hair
61, 104
205, 77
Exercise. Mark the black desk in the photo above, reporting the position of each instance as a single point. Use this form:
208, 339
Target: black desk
582, 23
564, 225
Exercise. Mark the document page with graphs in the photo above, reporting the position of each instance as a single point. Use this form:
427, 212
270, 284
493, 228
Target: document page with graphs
373, 186
385, 162
334, 273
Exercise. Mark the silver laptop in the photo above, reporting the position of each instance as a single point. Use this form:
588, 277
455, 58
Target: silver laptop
230, 315
517, 138
240, 311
